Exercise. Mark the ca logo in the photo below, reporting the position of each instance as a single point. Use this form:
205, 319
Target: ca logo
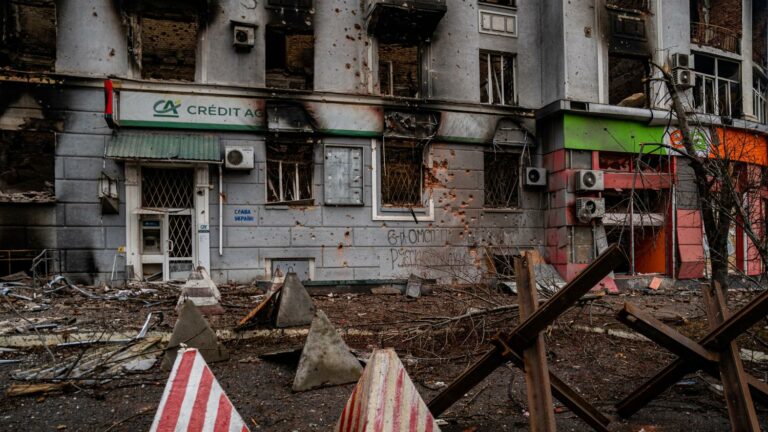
166, 108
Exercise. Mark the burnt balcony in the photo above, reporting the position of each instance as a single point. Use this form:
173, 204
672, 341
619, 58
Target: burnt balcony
716, 37
404, 20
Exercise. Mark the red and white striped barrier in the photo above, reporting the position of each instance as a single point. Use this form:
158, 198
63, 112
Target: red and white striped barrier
194, 401
385, 400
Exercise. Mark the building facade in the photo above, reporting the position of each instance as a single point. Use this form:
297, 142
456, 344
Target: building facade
362, 142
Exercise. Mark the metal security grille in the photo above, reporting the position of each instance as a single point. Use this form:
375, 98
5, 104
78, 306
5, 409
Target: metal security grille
167, 188
401, 174
180, 236
502, 180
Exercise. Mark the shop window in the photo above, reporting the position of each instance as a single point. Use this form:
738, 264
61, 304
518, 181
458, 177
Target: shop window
167, 188
402, 162
717, 88
290, 58
26, 166
289, 171
28, 35
168, 47
399, 70
627, 81
497, 78
502, 180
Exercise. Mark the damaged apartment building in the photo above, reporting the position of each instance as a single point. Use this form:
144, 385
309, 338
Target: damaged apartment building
363, 141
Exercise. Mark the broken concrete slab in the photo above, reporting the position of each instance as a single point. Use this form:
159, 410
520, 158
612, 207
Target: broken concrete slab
413, 288
325, 359
193, 331
295, 305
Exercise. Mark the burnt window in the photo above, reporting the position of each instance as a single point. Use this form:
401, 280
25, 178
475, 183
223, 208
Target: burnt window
629, 5
717, 86
627, 80
28, 34
507, 3
497, 78
26, 166
502, 179
399, 70
168, 47
290, 58
289, 171
402, 162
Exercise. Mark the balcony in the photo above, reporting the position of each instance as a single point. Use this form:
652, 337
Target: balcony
716, 37
404, 21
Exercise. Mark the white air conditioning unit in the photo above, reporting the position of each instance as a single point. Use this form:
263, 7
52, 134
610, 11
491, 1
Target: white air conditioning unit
680, 61
589, 180
238, 157
243, 37
535, 177
589, 208
682, 77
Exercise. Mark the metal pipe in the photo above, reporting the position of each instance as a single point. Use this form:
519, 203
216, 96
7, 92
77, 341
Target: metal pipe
221, 211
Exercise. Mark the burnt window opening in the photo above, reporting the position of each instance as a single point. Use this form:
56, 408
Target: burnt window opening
644, 200
627, 162
760, 32
169, 188
628, 80
167, 49
28, 35
400, 70
717, 86
289, 171
507, 3
498, 76
717, 24
629, 5
402, 173
501, 171
27, 166
290, 58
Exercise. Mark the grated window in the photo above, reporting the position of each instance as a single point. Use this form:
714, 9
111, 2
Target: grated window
401, 173
167, 188
502, 180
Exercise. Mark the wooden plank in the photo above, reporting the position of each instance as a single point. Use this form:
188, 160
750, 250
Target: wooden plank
261, 307
534, 357
741, 409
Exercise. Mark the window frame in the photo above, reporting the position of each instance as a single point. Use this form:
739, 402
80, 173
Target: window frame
760, 98
521, 164
716, 81
426, 213
396, 208
489, 65
296, 184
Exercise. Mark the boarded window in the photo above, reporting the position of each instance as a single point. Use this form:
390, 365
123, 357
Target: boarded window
502, 179
168, 48
289, 171
399, 67
343, 175
402, 173
28, 35
627, 81
167, 188
290, 58
497, 78
26, 166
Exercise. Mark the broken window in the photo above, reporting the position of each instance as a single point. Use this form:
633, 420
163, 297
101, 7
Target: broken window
717, 88
168, 46
402, 162
28, 35
497, 78
26, 166
760, 97
290, 58
502, 179
289, 171
399, 70
627, 81
508, 3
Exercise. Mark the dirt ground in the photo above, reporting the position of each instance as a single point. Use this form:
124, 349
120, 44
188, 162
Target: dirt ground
434, 347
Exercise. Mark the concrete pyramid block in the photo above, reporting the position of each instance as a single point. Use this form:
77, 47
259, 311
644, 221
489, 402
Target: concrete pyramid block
193, 331
385, 400
326, 359
202, 291
191, 380
295, 305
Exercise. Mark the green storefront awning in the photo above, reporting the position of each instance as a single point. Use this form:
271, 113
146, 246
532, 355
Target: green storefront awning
188, 148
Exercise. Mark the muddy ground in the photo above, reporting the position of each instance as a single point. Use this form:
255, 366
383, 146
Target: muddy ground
434, 348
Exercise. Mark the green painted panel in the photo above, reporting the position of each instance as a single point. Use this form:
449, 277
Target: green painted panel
164, 146
604, 134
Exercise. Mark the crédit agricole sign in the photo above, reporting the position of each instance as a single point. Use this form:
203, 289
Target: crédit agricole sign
174, 110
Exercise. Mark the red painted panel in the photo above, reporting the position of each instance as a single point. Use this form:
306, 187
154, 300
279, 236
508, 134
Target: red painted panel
688, 218
689, 236
558, 181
